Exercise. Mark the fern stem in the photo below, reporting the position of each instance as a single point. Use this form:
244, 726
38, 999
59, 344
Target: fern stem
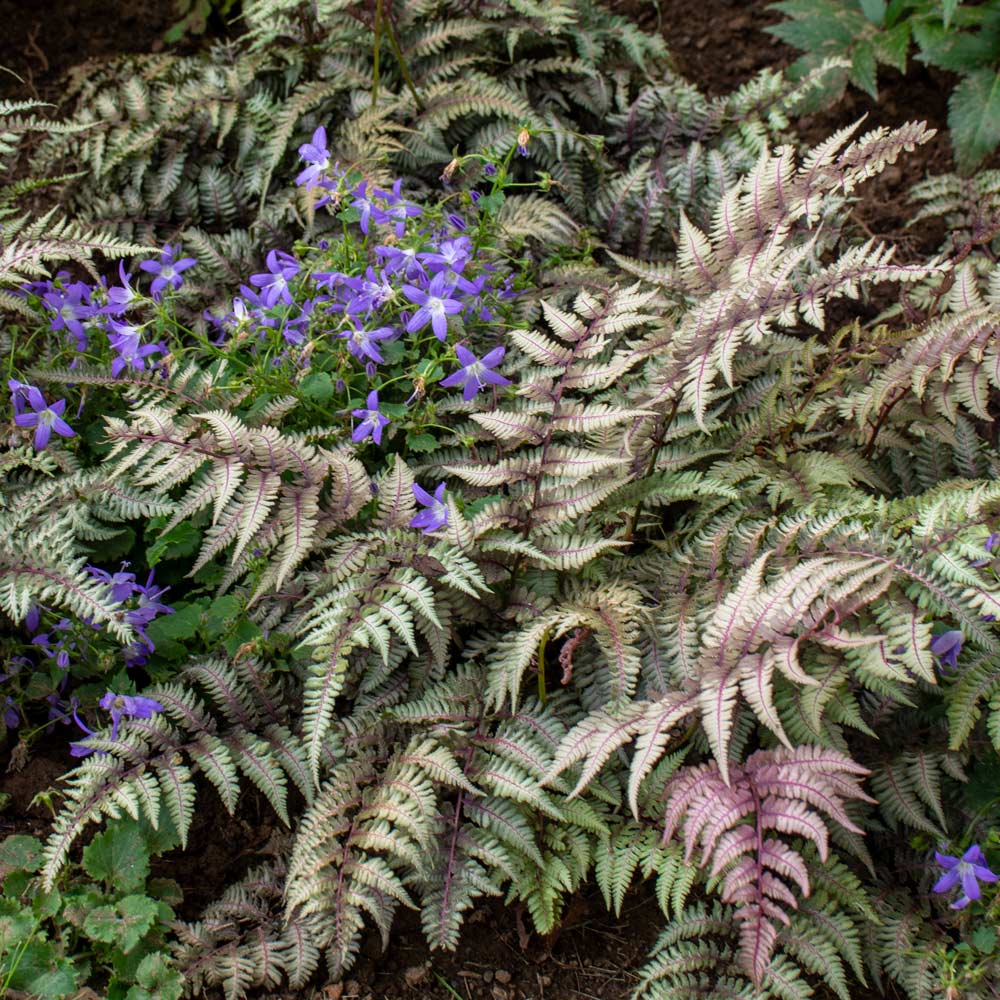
650, 467
403, 67
375, 55
542, 692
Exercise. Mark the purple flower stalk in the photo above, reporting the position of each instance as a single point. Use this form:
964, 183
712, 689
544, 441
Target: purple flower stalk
946, 648
436, 514
128, 706
969, 870
317, 156
372, 421
281, 268
167, 270
436, 305
475, 373
44, 418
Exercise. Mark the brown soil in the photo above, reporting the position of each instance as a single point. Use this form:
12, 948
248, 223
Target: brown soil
591, 958
43, 40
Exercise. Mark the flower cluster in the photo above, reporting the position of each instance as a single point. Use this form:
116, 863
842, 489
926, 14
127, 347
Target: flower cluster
147, 605
82, 310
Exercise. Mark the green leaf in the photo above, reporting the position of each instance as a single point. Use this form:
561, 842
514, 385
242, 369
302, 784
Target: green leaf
16, 923
892, 47
15, 884
317, 387
219, 616
974, 117
79, 903
958, 51
47, 904
948, 8
246, 631
874, 10
182, 624
43, 972
984, 939
20, 852
179, 542
490, 204
156, 980
118, 857
418, 443
123, 924
864, 68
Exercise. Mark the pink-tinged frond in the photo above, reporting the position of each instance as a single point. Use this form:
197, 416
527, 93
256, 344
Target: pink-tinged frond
795, 818
757, 939
658, 723
732, 845
772, 791
780, 858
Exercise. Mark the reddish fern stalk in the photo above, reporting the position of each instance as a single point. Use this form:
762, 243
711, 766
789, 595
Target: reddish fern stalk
786, 791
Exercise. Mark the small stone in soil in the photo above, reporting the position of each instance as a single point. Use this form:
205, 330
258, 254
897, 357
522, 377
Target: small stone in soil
416, 974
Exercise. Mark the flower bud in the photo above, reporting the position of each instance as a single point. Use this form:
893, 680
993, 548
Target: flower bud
449, 171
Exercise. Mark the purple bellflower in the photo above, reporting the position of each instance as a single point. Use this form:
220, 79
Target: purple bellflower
405, 261
991, 543
372, 292
57, 648
363, 343
436, 513
399, 210
121, 297
130, 706
475, 373
167, 270
20, 394
149, 605
122, 584
452, 255
281, 268
969, 870
372, 421
71, 307
435, 306
317, 156
126, 341
44, 418
11, 716
946, 648
370, 212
